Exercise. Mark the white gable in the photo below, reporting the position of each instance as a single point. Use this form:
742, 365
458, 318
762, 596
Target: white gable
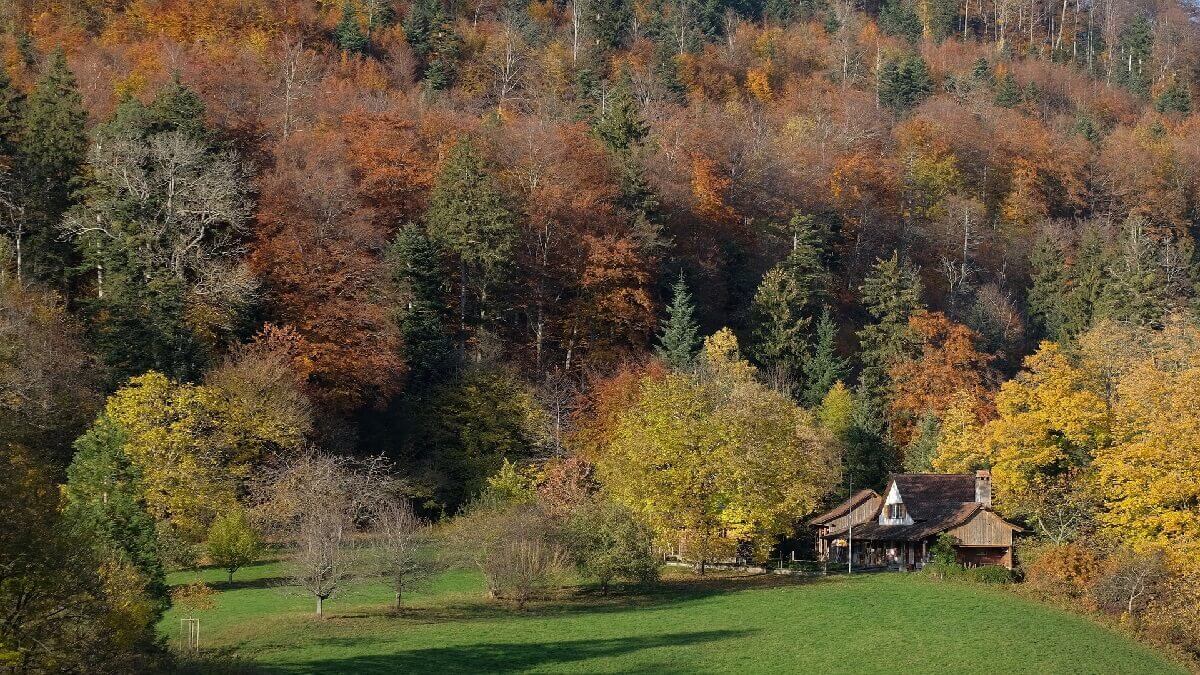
893, 497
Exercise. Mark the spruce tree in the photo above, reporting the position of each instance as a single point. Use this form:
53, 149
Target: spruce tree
467, 216
53, 146
1176, 98
898, 18
824, 367
779, 326
177, 108
620, 126
982, 71
918, 456
104, 500
416, 269
1008, 93
1135, 49
890, 295
1050, 284
905, 82
679, 335
348, 34
11, 109
1136, 292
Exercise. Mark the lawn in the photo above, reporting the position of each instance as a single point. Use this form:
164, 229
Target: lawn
868, 623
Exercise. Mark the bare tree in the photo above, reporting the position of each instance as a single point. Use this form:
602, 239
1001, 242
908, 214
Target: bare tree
514, 547
1132, 583
403, 548
315, 502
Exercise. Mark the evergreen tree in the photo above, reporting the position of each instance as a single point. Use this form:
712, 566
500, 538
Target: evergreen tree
780, 328
620, 126
348, 34
53, 146
824, 367
176, 108
434, 42
898, 18
890, 295
380, 14
467, 216
904, 82
679, 335
918, 456
609, 23
982, 71
104, 501
666, 72
1050, 283
869, 456
1133, 56
11, 108
1176, 98
1008, 93
1136, 291
423, 318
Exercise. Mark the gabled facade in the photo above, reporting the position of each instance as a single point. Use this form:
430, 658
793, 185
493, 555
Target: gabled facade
897, 529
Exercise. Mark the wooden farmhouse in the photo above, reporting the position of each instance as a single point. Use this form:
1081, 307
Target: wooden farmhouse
898, 528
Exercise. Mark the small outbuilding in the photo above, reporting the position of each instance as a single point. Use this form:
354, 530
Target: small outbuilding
898, 528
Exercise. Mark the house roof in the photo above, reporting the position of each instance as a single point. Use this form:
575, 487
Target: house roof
936, 502
843, 508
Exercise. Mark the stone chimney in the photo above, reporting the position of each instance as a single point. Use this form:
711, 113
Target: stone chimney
983, 487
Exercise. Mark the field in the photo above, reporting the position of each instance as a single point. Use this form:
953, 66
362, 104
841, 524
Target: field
869, 623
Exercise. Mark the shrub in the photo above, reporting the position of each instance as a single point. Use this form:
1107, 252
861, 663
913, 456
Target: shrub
232, 542
606, 542
987, 574
514, 546
1061, 570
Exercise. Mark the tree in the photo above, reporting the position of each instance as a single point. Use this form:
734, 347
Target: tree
678, 336
403, 546
513, 545
232, 542
1176, 98
891, 294
53, 144
921, 450
898, 18
620, 126
315, 501
105, 502
904, 82
782, 306
348, 34
467, 216
1008, 93
824, 367
713, 458
423, 316
607, 543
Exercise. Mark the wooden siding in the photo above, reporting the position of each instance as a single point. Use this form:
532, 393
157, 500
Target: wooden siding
984, 529
862, 513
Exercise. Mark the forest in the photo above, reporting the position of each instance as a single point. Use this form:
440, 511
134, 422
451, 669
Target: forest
647, 250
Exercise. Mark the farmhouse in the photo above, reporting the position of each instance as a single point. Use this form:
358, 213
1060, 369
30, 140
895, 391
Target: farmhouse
897, 529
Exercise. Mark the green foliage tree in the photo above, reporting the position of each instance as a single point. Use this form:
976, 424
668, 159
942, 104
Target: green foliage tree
1134, 51
824, 367
430, 32
898, 18
232, 542
918, 456
12, 105
1176, 98
468, 217
890, 295
349, 34
620, 126
423, 314
53, 146
678, 336
606, 543
105, 502
1008, 92
904, 82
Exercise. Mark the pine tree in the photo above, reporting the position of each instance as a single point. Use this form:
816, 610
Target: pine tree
982, 71
679, 335
177, 108
12, 104
53, 146
918, 456
434, 42
890, 295
1008, 93
620, 127
898, 18
348, 34
423, 317
1136, 291
780, 328
609, 22
1133, 56
1050, 284
104, 500
904, 83
467, 216
824, 367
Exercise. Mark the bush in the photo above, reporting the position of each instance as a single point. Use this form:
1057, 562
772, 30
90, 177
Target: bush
987, 574
606, 542
1060, 570
232, 542
514, 546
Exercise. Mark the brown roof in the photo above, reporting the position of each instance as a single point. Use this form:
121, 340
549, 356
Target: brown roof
936, 502
843, 508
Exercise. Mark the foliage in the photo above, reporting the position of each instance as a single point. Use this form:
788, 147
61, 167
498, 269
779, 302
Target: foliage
232, 542
607, 543
824, 367
514, 547
904, 82
678, 337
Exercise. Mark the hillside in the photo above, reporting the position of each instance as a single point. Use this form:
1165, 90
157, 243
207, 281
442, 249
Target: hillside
869, 623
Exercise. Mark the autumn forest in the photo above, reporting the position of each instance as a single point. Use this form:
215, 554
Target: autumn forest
699, 265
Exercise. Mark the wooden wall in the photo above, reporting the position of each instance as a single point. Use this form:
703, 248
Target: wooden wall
984, 529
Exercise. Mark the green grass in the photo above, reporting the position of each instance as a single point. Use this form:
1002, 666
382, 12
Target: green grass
865, 624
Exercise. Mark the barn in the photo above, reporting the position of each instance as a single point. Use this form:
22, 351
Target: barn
896, 529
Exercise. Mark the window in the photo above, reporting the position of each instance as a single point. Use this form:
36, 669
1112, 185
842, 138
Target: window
896, 512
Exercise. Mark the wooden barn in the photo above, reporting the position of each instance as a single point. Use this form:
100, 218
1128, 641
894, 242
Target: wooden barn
897, 529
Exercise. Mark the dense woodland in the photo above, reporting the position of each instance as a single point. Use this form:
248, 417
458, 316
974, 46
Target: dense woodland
482, 244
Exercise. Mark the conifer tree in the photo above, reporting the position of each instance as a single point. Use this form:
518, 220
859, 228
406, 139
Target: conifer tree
1136, 291
620, 126
1176, 98
918, 456
824, 367
781, 311
1008, 93
467, 216
679, 335
898, 18
890, 295
904, 82
1050, 284
423, 317
982, 70
53, 145
11, 108
348, 33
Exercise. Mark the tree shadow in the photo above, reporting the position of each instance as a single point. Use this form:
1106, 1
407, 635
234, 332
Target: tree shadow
241, 584
508, 657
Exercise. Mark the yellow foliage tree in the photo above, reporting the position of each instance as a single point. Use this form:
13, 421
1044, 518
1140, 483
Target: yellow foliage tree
960, 447
714, 459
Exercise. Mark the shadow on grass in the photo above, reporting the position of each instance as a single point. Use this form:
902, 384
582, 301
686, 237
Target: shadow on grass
240, 584
502, 657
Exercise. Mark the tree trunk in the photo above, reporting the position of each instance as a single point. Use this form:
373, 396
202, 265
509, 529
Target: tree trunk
398, 604
320, 607
230, 575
